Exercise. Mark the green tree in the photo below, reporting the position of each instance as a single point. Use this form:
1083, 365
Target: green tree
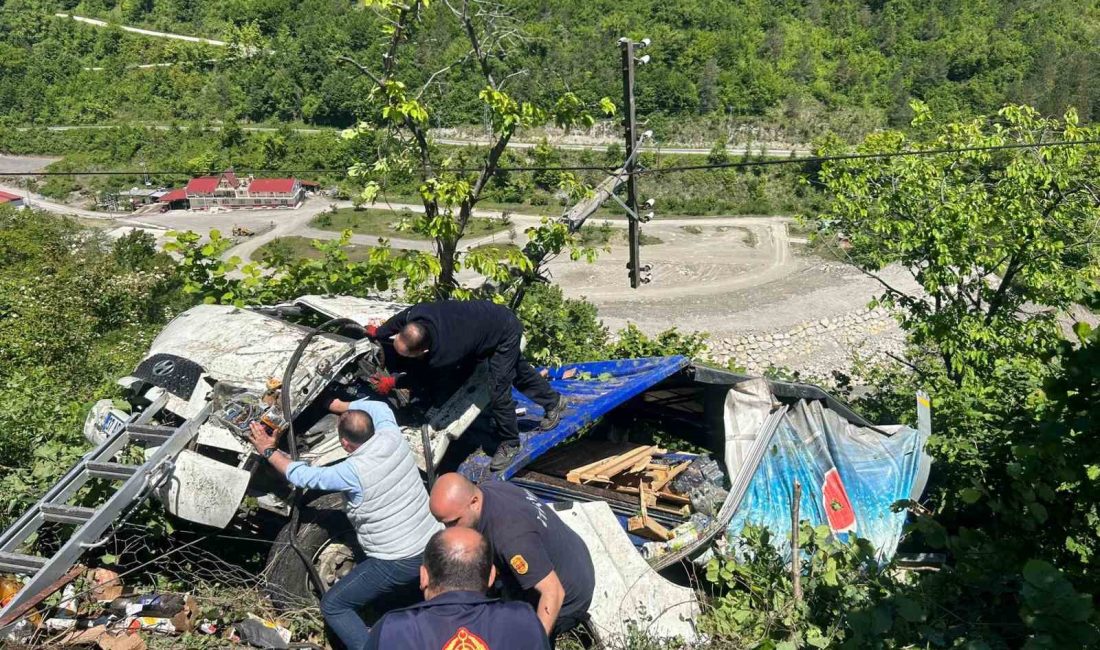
449, 196
985, 234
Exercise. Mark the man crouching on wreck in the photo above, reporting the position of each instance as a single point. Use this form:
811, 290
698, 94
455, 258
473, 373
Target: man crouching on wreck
386, 504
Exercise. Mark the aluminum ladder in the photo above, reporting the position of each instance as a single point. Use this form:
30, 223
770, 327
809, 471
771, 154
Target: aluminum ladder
91, 522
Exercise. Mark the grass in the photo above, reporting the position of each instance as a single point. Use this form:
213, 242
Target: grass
384, 223
747, 235
606, 235
295, 248
498, 248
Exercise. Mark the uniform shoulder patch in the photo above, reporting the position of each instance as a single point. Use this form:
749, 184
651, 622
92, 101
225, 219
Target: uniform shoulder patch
519, 564
465, 640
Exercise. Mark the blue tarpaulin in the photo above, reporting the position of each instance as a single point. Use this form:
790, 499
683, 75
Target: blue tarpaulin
593, 389
850, 477
850, 474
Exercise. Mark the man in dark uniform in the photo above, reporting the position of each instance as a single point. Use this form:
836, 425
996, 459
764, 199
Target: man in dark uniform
540, 559
456, 615
453, 336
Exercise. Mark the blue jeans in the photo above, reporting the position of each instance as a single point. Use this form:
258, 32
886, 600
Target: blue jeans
383, 584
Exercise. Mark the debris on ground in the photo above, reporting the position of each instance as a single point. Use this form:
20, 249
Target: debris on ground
261, 633
98, 612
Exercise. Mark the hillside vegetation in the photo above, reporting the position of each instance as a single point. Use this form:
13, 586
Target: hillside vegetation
792, 68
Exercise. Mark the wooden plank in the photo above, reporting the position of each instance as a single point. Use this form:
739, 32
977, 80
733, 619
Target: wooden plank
616, 464
574, 475
641, 464
667, 496
645, 526
671, 475
629, 461
577, 475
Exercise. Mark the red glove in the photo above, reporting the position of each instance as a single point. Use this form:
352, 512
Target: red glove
372, 331
382, 384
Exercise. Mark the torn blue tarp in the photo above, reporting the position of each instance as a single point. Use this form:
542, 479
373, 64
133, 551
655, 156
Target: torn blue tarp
593, 389
850, 477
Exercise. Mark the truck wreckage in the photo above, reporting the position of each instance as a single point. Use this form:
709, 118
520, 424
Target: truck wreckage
720, 450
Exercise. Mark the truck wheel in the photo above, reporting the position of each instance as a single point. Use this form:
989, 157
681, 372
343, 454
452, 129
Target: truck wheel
324, 536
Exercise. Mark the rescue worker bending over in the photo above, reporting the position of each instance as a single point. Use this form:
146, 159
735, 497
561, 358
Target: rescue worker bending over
457, 571
452, 336
539, 558
386, 504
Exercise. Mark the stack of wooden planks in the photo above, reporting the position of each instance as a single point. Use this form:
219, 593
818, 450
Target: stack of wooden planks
635, 472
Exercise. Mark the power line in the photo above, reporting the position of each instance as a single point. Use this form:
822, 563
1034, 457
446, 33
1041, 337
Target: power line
342, 170
608, 168
863, 156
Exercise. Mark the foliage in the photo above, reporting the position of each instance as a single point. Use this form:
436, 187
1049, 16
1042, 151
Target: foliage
397, 125
770, 70
76, 312
985, 234
631, 342
848, 600
560, 329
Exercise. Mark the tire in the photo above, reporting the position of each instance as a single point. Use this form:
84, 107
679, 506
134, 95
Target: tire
323, 530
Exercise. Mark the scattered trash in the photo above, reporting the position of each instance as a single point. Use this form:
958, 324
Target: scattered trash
155, 605
206, 626
262, 633
108, 585
703, 470
150, 624
686, 533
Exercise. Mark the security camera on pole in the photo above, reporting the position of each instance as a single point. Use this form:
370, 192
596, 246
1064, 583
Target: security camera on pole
638, 274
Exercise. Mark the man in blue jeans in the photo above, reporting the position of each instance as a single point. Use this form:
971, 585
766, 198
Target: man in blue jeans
386, 504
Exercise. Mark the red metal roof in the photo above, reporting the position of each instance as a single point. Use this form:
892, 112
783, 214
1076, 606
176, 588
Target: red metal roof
202, 185
272, 185
231, 178
174, 195
7, 197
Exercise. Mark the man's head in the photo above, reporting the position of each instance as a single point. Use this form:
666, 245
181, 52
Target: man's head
355, 428
456, 559
456, 501
412, 341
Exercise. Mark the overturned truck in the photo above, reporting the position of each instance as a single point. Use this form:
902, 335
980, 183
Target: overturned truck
655, 460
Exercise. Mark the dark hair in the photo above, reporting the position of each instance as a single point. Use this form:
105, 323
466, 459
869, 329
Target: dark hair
356, 426
416, 337
457, 568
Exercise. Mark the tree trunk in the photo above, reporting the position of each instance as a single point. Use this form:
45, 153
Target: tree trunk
447, 252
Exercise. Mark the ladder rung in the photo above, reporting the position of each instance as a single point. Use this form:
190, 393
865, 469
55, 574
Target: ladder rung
149, 433
66, 514
114, 471
19, 563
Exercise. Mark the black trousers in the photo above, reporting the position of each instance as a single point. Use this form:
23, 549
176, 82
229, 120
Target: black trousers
506, 369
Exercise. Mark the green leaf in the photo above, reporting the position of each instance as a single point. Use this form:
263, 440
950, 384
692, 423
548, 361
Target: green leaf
970, 495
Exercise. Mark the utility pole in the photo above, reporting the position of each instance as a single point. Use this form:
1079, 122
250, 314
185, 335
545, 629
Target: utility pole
638, 274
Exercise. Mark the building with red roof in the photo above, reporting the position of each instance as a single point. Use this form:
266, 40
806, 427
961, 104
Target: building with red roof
14, 200
226, 190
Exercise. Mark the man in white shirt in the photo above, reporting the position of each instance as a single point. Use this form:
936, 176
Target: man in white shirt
387, 506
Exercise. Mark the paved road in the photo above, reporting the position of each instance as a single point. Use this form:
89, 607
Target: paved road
38, 201
459, 142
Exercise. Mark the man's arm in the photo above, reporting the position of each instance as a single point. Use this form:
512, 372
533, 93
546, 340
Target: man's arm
551, 596
393, 325
340, 477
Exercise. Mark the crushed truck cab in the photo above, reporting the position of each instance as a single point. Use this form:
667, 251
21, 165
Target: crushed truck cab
212, 345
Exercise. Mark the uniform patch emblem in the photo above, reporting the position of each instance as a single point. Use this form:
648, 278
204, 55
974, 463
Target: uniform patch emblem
465, 640
519, 564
